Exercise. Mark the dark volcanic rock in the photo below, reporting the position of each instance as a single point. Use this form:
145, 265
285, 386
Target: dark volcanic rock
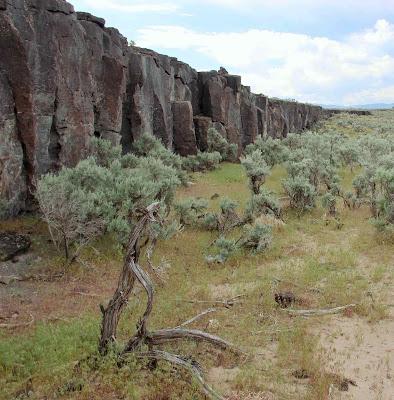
64, 80
220, 99
153, 82
65, 77
249, 121
12, 244
201, 125
84, 16
184, 135
290, 116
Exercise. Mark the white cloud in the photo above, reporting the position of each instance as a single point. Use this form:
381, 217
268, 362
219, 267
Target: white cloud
135, 6
382, 95
381, 35
250, 5
294, 65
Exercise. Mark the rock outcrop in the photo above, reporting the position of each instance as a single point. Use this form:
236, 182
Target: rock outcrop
65, 77
62, 75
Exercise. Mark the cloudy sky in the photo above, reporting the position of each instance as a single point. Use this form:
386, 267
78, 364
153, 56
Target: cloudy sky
321, 51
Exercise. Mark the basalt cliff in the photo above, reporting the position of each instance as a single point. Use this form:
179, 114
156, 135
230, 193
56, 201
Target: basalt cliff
65, 77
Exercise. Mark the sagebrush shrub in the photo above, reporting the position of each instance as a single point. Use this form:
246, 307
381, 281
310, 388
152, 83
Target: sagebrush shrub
149, 146
190, 210
272, 150
225, 249
83, 202
301, 193
202, 161
211, 221
264, 203
217, 143
256, 169
225, 220
257, 237
104, 152
329, 202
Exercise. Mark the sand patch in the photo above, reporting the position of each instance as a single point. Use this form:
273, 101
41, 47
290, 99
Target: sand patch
363, 352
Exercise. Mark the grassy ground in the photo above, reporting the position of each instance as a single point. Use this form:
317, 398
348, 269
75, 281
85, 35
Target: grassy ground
322, 265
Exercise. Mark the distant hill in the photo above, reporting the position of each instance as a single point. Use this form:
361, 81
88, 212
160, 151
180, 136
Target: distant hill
374, 106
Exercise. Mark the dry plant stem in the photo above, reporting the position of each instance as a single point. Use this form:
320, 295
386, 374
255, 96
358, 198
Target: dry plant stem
317, 312
198, 316
140, 337
225, 303
164, 335
192, 367
40, 277
168, 335
86, 294
149, 253
11, 326
126, 281
132, 271
6, 280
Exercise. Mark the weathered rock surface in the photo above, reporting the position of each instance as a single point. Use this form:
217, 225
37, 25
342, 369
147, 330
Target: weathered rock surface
12, 244
184, 136
65, 77
63, 81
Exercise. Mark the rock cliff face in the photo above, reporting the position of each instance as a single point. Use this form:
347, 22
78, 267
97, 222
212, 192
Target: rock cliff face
65, 77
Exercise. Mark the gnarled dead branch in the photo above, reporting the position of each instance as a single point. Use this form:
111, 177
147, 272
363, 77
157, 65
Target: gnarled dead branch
167, 335
112, 313
149, 252
131, 272
192, 366
225, 303
198, 316
317, 312
7, 279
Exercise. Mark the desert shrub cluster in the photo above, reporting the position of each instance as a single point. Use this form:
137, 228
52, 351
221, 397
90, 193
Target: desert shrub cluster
314, 161
104, 192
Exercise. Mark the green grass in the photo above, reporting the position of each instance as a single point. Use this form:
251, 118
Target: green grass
46, 355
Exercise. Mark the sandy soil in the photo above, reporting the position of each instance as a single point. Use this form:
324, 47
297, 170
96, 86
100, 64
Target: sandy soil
363, 352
